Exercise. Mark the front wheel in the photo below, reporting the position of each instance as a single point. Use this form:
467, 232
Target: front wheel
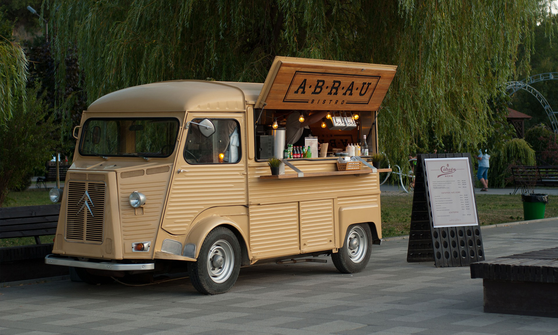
218, 263
355, 253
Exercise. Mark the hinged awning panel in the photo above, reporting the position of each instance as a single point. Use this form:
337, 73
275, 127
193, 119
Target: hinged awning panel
311, 84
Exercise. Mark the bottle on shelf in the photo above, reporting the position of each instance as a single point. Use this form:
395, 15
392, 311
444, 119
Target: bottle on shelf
351, 150
365, 151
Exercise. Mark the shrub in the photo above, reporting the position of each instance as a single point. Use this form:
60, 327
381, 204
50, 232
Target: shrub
27, 142
514, 152
544, 142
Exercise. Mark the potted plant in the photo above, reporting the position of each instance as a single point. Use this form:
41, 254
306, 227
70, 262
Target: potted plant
274, 165
377, 158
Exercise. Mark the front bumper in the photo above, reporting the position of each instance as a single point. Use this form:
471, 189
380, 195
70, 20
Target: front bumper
109, 266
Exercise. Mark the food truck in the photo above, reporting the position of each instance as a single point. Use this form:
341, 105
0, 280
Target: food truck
176, 174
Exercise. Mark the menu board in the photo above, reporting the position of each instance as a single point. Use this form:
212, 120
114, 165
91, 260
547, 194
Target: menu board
450, 185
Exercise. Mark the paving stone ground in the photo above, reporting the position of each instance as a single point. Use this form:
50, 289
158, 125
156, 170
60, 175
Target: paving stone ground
391, 297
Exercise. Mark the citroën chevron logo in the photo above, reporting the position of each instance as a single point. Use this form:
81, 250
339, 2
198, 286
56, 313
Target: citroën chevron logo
86, 199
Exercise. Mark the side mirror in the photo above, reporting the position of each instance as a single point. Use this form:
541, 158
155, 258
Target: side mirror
75, 132
207, 128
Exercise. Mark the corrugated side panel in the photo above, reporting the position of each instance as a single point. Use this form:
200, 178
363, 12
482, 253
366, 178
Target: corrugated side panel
316, 225
202, 187
274, 230
140, 225
358, 201
313, 188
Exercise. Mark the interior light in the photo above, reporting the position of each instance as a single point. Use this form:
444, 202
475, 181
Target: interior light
328, 115
356, 117
275, 124
221, 157
301, 118
324, 124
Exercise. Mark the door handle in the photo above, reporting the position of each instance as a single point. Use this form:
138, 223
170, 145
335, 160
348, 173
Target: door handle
181, 170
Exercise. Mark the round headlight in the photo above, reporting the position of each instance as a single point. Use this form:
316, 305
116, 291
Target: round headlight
55, 195
137, 199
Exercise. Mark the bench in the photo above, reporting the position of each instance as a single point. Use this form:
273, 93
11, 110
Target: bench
524, 284
27, 262
527, 177
50, 174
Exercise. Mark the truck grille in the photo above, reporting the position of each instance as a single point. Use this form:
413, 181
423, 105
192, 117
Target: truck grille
85, 212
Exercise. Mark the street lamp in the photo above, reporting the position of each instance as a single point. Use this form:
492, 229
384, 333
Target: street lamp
33, 11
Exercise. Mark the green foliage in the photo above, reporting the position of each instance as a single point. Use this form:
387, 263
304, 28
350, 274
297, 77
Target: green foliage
274, 162
26, 142
377, 157
536, 136
514, 152
18, 15
13, 71
67, 104
545, 144
544, 60
453, 55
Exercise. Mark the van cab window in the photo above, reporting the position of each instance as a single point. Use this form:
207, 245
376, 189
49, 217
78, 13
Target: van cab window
141, 137
223, 146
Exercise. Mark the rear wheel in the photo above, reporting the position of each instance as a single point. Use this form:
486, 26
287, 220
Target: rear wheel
218, 263
357, 248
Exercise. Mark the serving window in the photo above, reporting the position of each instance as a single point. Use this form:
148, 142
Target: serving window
301, 128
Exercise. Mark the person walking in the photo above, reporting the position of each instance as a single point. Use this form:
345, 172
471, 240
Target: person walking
482, 172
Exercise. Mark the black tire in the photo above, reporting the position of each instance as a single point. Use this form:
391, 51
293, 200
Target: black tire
87, 277
218, 265
357, 248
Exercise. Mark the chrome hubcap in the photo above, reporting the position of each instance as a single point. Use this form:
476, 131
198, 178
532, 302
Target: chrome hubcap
220, 261
357, 244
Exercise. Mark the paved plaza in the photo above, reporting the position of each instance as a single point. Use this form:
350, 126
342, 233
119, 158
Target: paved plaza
390, 297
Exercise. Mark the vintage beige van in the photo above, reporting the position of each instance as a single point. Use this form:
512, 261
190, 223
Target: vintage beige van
175, 174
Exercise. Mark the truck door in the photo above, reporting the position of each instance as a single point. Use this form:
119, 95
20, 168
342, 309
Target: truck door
211, 171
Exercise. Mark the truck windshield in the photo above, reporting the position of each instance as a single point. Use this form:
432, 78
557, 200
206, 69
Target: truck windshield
142, 137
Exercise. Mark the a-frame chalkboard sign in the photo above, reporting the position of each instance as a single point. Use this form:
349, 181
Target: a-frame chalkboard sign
444, 220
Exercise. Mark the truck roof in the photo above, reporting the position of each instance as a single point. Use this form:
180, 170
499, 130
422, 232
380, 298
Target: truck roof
291, 84
179, 95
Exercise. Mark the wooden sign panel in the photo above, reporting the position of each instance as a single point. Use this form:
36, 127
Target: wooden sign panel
310, 84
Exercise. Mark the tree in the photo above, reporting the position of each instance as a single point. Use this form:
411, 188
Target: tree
13, 72
26, 130
27, 141
67, 104
453, 55
543, 60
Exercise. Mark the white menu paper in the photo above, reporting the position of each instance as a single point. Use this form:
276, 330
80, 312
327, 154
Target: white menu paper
452, 200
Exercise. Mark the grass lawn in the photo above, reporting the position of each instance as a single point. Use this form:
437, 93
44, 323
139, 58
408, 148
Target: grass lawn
31, 197
492, 209
396, 211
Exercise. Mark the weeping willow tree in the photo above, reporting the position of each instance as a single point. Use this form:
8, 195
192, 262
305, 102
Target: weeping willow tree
453, 55
13, 78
